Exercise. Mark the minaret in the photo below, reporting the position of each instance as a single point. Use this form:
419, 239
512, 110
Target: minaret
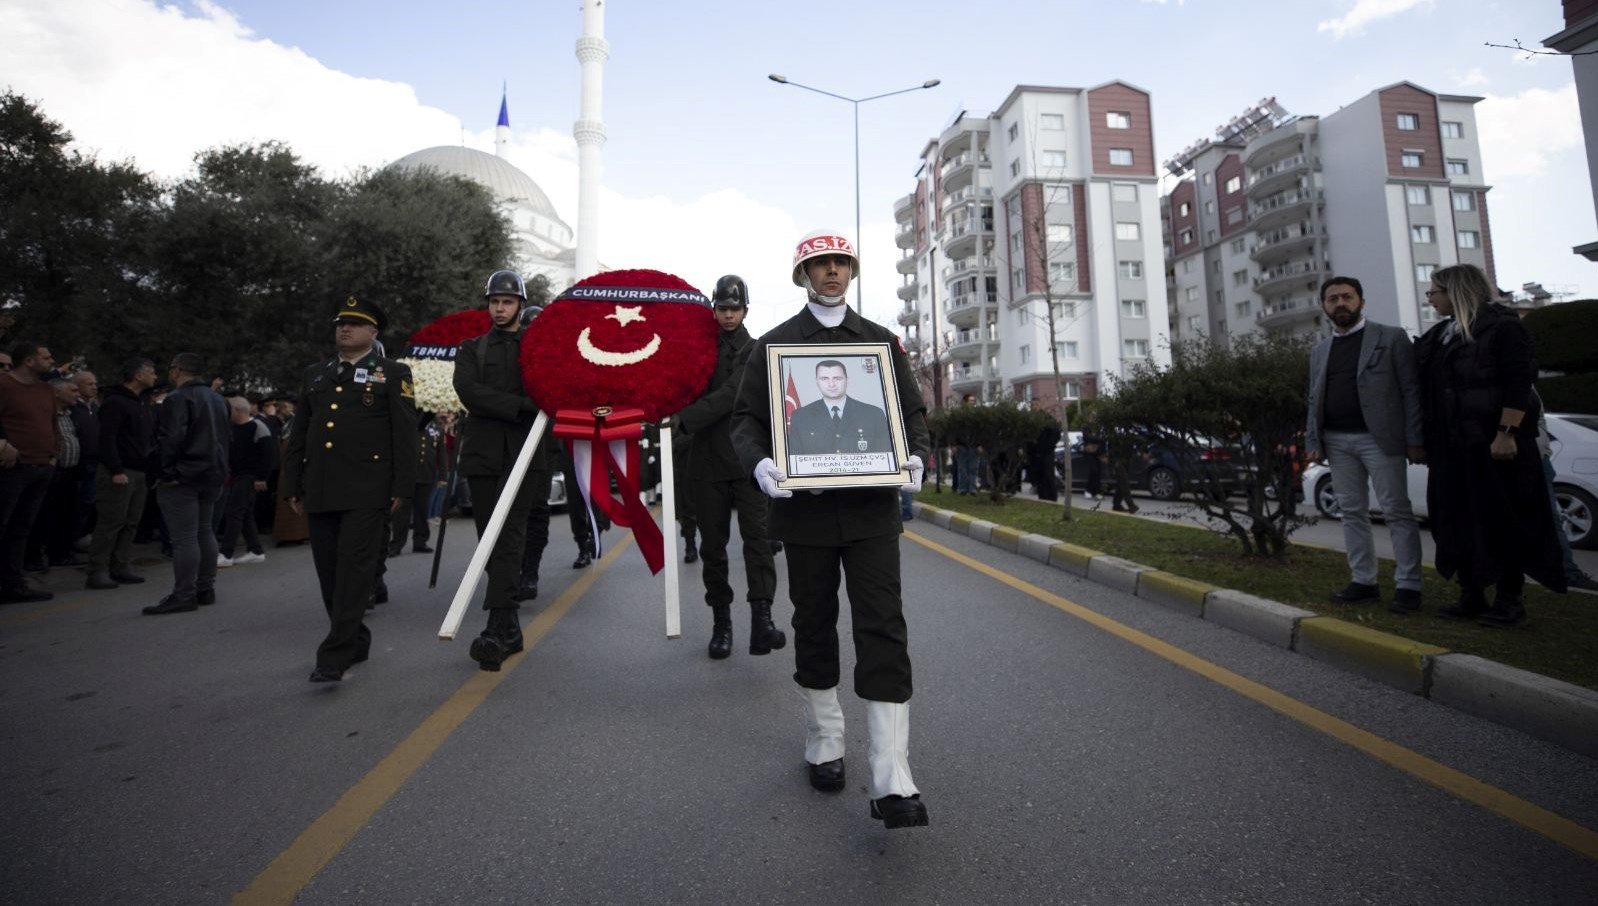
589, 130
502, 131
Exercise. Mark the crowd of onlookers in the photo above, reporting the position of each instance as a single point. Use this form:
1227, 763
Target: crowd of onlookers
91, 462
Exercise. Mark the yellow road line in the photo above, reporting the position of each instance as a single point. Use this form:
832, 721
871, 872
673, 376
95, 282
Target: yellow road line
1553, 826
316, 846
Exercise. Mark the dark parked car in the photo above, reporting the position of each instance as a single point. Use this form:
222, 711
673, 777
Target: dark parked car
1169, 467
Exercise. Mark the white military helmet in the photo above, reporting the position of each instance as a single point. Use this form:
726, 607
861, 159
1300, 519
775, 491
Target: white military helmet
823, 242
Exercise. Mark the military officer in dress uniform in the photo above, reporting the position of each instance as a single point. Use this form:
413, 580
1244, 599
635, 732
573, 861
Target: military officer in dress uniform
350, 463
488, 379
851, 532
719, 485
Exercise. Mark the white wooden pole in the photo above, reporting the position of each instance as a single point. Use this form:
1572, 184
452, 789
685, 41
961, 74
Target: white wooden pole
496, 522
668, 519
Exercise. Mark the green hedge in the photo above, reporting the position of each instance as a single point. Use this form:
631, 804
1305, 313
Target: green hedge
1570, 393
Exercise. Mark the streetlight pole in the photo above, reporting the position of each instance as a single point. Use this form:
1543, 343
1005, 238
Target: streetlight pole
930, 83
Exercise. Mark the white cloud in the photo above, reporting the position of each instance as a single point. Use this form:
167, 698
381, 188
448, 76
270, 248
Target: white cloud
1365, 12
1521, 133
1472, 78
156, 84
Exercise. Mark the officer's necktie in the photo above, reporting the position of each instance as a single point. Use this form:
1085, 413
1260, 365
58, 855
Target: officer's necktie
837, 423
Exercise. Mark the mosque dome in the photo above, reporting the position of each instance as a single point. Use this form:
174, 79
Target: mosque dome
501, 178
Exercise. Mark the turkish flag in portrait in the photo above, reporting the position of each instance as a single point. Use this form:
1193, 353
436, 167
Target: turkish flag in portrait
790, 402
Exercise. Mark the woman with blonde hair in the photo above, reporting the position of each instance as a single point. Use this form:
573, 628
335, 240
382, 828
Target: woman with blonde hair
1490, 512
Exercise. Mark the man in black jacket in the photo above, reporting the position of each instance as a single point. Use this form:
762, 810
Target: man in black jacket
191, 438
830, 533
350, 462
127, 435
488, 379
720, 484
252, 455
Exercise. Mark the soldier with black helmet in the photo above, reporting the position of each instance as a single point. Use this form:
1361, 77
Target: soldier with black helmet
720, 485
349, 464
851, 532
488, 379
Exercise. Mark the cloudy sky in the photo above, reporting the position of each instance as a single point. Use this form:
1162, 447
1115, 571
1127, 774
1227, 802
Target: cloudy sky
712, 168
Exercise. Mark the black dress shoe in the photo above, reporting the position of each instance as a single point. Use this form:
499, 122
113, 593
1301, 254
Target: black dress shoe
170, 604
127, 579
776, 547
1405, 600
326, 675
691, 553
421, 549
100, 582
1356, 593
899, 811
584, 557
24, 596
828, 776
203, 598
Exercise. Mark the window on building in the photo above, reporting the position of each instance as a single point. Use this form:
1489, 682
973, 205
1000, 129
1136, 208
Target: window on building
1417, 195
1458, 167
1073, 390
1124, 191
1209, 178
1134, 308
1411, 159
1209, 207
1132, 232
1015, 168
1408, 122
1423, 233
1423, 272
1062, 273
1054, 122
1243, 308
1469, 239
1021, 317
1195, 323
1063, 312
1239, 245
1453, 129
1215, 265
1240, 278
1185, 209
1234, 184
1120, 157
1135, 349
1187, 265
1018, 280
1464, 201
1026, 354
1191, 294
1131, 270
1116, 119
1234, 215
1015, 243
1054, 159
1220, 297
1209, 236
1014, 131
1059, 232
1066, 348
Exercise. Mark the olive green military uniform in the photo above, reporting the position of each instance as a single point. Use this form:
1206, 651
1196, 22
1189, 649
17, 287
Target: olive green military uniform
352, 451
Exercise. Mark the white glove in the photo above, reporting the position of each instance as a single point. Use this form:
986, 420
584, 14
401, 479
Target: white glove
767, 476
918, 471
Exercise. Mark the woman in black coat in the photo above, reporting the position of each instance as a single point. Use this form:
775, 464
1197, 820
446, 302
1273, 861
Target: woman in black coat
1490, 512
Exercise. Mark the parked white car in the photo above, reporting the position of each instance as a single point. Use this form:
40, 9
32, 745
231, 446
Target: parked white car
1574, 439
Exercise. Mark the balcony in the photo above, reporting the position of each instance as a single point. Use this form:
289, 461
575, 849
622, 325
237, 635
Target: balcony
1281, 208
908, 316
1287, 315
959, 170
967, 194
1283, 241
1279, 175
963, 309
1279, 278
902, 207
906, 265
967, 343
961, 234
905, 235
969, 265
909, 290
971, 378
1283, 141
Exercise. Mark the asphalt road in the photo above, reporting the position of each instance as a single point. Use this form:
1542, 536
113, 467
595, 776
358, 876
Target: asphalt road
185, 759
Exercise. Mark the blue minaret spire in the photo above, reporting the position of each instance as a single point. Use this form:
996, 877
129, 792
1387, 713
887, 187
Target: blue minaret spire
502, 130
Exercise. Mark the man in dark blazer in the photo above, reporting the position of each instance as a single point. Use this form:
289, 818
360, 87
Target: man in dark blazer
488, 379
1365, 415
350, 463
837, 422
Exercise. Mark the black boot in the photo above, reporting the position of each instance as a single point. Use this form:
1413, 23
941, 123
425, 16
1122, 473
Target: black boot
720, 631
507, 628
526, 588
764, 636
585, 556
690, 551
500, 639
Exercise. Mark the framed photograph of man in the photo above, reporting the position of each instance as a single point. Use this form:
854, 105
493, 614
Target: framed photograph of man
835, 415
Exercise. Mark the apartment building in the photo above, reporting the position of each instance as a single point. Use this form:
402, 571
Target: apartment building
1387, 189
1579, 39
1049, 204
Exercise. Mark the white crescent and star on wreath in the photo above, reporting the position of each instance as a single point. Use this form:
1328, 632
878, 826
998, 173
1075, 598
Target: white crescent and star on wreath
623, 315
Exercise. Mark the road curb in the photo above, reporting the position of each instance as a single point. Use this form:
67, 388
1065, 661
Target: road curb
1561, 713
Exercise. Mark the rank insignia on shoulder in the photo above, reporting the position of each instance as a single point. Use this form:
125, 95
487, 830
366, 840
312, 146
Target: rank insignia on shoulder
406, 390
